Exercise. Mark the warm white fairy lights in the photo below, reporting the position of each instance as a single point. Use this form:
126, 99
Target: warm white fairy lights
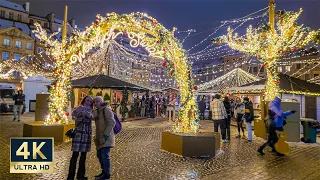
234, 78
269, 44
142, 30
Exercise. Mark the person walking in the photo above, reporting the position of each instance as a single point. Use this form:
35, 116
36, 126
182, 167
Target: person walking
227, 106
219, 115
239, 112
81, 143
18, 105
202, 107
276, 121
143, 107
105, 138
152, 107
248, 116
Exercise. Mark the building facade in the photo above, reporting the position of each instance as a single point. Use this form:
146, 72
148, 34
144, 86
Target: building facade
17, 39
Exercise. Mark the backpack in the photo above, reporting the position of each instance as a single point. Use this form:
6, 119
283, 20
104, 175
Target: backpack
117, 128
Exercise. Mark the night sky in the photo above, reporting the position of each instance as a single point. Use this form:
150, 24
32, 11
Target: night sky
183, 14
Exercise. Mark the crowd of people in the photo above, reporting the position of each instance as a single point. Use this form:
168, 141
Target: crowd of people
224, 110
242, 111
149, 106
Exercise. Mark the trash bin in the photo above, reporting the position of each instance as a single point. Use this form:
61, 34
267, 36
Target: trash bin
309, 130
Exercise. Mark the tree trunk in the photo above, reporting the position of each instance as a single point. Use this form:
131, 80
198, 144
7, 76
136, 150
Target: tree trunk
272, 82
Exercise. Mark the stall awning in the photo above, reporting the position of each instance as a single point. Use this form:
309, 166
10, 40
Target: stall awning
288, 84
103, 81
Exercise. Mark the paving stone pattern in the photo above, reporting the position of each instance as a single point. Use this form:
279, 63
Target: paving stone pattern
137, 156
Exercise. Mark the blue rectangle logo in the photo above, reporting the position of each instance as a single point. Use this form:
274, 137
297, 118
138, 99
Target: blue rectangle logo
31, 155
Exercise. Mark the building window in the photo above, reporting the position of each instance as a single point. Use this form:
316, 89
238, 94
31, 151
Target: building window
40, 50
5, 55
298, 66
17, 56
262, 69
11, 15
46, 25
19, 17
315, 75
307, 77
28, 59
31, 21
6, 42
279, 69
18, 44
288, 68
29, 45
255, 69
3, 13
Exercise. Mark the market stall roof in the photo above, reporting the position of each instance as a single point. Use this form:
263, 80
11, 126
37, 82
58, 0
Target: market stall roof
170, 88
103, 81
234, 78
287, 84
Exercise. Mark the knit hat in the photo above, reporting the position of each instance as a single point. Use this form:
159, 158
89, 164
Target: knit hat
246, 99
217, 96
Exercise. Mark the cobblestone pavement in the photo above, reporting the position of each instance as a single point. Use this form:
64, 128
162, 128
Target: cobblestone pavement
138, 156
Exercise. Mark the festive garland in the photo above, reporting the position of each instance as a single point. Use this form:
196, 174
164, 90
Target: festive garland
268, 45
141, 30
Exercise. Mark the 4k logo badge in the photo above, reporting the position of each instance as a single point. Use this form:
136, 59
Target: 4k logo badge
31, 155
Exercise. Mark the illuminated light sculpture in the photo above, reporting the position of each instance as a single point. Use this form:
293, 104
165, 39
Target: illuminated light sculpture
269, 44
142, 30
234, 78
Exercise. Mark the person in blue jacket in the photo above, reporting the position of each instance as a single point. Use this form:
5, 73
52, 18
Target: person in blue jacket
277, 121
279, 114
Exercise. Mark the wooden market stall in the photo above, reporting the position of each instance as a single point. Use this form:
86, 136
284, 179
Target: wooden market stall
305, 94
105, 86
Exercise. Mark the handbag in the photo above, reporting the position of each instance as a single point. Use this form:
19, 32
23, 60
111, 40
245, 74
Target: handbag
71, 133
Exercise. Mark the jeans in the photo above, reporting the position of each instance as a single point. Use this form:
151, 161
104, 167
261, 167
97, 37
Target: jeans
15, 109
228, 121
103, 155
249, 129
143, 111
222, 124
73, 164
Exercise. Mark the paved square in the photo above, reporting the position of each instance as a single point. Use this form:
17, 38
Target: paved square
137, 155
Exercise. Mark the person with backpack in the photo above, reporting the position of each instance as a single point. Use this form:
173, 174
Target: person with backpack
276, 121
105, 135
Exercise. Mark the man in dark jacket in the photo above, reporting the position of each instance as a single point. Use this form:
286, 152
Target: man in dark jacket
18, 104
202, 108
227, 106
248, 117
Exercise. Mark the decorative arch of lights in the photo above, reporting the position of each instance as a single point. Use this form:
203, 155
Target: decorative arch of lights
141, 30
